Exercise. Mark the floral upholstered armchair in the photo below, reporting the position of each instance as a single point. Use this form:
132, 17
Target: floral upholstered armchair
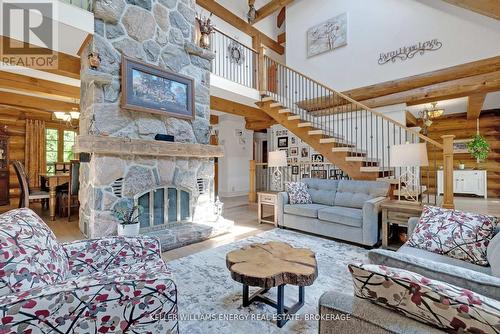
109, 285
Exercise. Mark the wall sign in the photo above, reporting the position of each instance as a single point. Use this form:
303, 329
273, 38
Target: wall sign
408, 52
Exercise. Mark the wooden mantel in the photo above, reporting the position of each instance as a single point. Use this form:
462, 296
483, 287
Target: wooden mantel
129, 146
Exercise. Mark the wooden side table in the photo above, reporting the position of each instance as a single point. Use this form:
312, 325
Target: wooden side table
269, 198
397, 212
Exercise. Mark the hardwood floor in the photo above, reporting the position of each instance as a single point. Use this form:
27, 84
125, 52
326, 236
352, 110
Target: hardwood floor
244, 216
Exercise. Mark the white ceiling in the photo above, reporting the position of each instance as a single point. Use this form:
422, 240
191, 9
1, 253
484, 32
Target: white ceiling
455, 106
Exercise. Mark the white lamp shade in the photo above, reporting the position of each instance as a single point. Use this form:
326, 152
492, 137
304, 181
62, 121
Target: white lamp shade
276, 159
409, 155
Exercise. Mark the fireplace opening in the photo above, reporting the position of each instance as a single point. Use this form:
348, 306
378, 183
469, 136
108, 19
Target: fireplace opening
163, 206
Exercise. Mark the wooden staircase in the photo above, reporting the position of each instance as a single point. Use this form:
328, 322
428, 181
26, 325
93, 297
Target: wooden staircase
336, 149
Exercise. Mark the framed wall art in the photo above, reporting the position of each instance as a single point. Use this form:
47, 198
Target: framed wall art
282, 142
460, 145
327, 35
153, 89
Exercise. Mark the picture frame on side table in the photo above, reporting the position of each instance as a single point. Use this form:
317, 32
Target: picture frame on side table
155, 90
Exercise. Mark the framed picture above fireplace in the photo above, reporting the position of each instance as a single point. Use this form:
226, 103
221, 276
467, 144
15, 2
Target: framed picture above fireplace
152, 89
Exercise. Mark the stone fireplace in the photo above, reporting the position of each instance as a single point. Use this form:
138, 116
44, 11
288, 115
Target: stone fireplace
173, 181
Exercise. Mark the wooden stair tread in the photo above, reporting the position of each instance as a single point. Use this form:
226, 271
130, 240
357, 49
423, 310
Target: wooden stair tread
293, 117
362, 159
304, 125
375, 169
284, 111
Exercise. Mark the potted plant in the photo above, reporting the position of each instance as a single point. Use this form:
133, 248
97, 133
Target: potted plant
479, 148
129, 220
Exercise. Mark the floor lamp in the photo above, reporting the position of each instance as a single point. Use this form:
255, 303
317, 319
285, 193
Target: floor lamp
409, 156
277, 159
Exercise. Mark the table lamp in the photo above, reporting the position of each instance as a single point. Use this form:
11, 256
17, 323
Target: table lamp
277, 159
408, 155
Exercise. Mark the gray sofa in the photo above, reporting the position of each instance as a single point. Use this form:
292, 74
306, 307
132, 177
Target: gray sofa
345, 209
480, 279
344, 313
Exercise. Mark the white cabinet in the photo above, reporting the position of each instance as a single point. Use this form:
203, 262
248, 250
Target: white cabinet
472, 182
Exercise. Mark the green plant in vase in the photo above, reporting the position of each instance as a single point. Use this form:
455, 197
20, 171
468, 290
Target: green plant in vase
129, 219
479, 148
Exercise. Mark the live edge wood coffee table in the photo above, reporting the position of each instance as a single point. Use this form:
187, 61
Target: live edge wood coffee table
273, 264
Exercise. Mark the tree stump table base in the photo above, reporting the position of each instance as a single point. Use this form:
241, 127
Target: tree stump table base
273, 264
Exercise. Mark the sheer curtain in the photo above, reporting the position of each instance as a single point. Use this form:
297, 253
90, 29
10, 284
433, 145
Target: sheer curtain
34, 156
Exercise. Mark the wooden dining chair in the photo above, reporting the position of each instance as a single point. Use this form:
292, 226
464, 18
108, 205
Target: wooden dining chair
27, 194
69, 197
73, 186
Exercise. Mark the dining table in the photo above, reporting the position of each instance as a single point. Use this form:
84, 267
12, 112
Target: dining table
51, 181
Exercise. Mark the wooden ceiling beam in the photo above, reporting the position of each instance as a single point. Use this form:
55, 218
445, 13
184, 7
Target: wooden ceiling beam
483, 83
411, 120
270, 8
474, 105
258, 125
489, 8
67, 65
238, 109
29, 84
282, 38
19, 100
429, 78
237, 22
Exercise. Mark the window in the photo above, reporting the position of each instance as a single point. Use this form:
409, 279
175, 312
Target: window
51, 147
68, 142
58, 146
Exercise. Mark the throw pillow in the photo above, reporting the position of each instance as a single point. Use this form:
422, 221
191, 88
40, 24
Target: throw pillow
297, 193
461, 235
436, 303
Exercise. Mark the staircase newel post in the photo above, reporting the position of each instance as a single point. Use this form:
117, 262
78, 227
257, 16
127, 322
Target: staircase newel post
261, 70
448, 200
252, 194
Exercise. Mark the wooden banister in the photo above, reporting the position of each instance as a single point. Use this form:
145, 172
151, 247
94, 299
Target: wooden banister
339, 95
448, 202
262, 79
252, 193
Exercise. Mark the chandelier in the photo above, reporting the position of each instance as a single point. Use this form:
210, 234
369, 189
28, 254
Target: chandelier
67, 116
428, 114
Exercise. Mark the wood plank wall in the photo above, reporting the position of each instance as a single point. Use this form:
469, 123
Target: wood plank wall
462, 128
15, 120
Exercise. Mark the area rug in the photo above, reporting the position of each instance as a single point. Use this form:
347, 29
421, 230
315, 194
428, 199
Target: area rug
209, 300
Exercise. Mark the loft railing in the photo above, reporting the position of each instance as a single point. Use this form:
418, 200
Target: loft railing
233, 60
370, 134
297, 171
84, 4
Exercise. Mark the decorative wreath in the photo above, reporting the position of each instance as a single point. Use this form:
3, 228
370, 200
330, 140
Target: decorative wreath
236, 55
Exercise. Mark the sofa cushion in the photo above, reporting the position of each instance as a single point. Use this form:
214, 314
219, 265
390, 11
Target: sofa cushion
461, 235
493, 255
297, 193
30, 255
429, 301
438, 258
321, 191
354, 194
342, 215
304, 210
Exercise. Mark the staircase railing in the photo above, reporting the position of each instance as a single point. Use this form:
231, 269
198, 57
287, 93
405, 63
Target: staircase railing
233, 60
352, 124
